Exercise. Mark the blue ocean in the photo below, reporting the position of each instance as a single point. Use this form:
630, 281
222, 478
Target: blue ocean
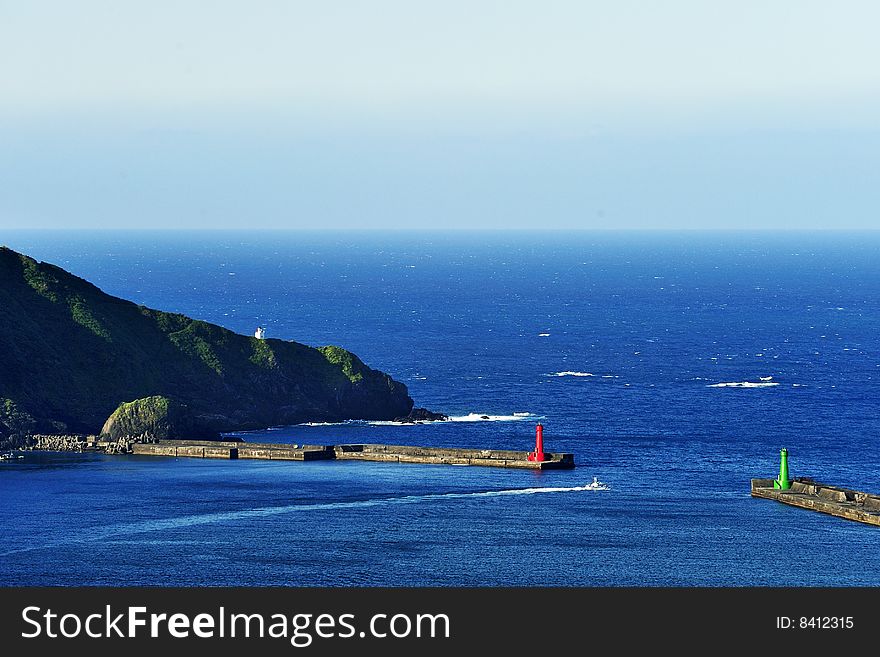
674, 365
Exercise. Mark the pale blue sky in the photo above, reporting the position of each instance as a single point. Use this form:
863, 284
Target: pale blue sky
450, 114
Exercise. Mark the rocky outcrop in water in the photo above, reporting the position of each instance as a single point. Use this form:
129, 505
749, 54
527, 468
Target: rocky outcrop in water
421, 415
157, 418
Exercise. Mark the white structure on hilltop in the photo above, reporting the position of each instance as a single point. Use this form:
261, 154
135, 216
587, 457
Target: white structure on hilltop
260, 333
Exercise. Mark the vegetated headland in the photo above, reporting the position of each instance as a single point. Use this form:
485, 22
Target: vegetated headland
76, 362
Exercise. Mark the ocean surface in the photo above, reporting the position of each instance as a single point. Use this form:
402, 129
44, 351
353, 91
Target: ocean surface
673, 365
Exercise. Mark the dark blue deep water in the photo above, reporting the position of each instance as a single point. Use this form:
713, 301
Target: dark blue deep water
486, 323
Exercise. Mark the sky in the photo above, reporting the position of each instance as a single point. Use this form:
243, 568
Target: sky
416, 114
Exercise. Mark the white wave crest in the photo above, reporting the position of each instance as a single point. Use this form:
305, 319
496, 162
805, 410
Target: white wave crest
470, 417
478, 417
390, 423
570, 373
744, 384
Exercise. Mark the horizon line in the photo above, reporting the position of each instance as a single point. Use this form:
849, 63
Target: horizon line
193, 229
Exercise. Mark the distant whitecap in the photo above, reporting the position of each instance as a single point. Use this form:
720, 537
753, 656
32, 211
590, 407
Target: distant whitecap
479, 417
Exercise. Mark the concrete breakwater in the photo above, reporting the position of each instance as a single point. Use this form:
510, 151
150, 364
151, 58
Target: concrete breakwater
833, 500
366, 452
73, 443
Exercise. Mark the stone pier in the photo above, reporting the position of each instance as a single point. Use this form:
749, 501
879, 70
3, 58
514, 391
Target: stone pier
386, 453
833, 500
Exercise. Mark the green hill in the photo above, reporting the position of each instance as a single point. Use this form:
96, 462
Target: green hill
71, 354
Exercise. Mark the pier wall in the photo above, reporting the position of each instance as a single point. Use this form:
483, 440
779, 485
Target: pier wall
230, 450
450, 456
833, 500
386, 453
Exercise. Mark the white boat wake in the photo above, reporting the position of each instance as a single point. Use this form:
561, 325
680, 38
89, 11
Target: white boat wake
112, 531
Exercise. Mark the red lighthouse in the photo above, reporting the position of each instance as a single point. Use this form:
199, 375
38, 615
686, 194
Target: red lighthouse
538, 455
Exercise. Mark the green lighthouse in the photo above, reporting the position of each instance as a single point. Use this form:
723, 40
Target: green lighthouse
782, 482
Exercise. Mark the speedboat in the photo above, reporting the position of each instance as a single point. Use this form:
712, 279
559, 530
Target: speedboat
597, 485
